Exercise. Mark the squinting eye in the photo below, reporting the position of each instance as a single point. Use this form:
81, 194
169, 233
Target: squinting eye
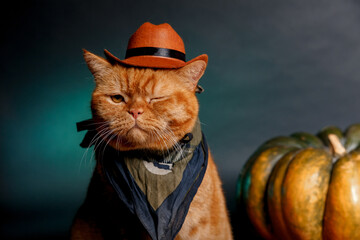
157, 99
117, 98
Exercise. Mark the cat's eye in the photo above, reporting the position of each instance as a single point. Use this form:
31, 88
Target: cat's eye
154, 99
117, 98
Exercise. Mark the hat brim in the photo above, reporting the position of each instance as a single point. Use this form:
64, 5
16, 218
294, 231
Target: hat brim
154, 61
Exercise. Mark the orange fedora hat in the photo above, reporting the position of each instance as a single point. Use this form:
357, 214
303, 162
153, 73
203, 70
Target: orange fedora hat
155, 46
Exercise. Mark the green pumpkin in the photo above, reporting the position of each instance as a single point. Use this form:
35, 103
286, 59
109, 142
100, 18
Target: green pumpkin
304, 186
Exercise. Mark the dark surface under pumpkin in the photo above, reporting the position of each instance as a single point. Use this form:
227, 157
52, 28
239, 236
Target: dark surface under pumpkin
303, 187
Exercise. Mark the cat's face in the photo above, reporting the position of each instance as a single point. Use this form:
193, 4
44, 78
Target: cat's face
143, 108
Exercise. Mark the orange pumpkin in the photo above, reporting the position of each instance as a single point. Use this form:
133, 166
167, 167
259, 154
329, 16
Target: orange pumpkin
304, 186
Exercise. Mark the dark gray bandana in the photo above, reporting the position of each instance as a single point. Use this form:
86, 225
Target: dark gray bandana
158, 187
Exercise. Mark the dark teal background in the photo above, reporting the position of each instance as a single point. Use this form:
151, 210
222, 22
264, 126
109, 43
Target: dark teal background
275, 67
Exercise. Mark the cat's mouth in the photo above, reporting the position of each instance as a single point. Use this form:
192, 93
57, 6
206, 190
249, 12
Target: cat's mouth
136, 133
137, 126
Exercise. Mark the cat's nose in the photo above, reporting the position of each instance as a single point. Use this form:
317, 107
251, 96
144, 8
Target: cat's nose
136, 112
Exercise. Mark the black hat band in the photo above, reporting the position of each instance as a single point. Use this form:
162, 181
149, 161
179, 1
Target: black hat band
153, 51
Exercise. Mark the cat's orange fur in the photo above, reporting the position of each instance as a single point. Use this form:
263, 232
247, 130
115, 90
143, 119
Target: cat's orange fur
167, 109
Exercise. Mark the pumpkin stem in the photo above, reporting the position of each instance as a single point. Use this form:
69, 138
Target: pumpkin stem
336, 145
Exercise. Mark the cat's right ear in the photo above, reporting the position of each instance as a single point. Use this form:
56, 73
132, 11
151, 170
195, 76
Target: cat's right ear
97, 65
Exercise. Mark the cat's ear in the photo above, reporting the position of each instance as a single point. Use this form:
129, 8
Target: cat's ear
97, 65
192, 73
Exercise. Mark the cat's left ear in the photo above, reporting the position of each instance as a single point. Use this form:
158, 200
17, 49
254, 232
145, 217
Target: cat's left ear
97, 65
192, 73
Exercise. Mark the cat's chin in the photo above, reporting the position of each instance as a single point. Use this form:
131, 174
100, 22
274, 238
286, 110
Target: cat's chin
134, 139
137, 136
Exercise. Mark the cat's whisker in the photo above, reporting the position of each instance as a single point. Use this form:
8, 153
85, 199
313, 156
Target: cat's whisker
101, 138
153, 135
176, 145
171, 136
168, 143
96, 145
165, 147
91, 143
117, 141
96, 123
99, 134
201, 123
111, 137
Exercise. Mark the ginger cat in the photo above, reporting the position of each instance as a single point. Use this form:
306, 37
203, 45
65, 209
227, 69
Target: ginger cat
149, 109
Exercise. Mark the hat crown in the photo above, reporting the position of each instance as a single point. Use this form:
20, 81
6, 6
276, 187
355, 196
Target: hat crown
155, 46
157, 36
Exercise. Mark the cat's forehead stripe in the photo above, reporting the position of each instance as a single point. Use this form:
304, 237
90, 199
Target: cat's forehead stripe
126, 80
146, 81
141, 81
